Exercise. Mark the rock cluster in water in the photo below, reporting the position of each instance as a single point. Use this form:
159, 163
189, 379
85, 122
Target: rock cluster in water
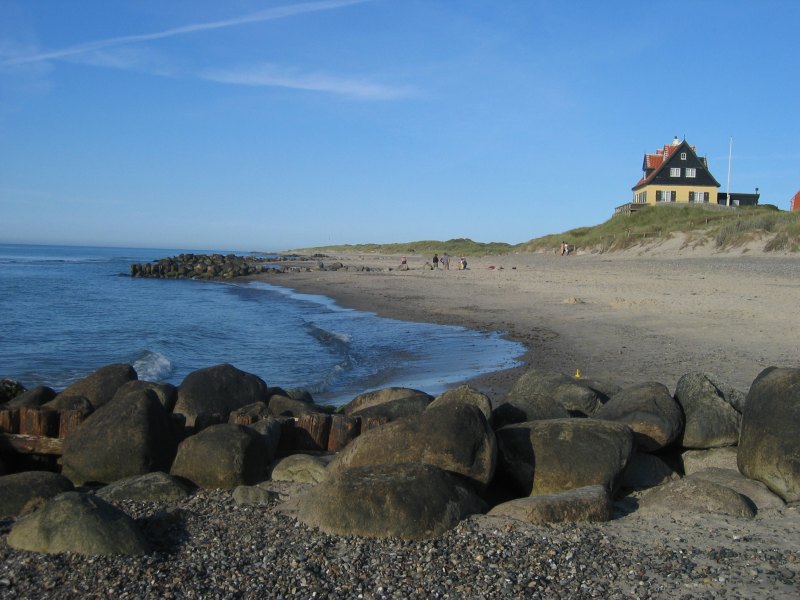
201, 266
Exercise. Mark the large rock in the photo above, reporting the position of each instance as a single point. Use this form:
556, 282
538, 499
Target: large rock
10, 389
80, 523
755, 491
376, 397
465, 394
699, 460
454, 438
20, 489
131, 435
697, 495
99, 387
411, 501
223, 456
217, 390
300, 468
649, 410
284, 406
394, 409
591, 503
151, 487
710, 420
646, 471
33, 397
769, 444
166, 393
79, 403
555, 455
570, 393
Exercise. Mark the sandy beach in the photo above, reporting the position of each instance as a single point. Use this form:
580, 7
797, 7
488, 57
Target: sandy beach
651, 313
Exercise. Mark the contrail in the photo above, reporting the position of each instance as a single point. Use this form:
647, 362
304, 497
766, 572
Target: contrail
270, 14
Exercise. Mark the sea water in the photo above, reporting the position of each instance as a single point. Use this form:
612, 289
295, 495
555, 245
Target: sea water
66, 311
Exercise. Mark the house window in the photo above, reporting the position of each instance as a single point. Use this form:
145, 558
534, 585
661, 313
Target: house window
691, 172
683, 155
675, 172
698, 196
665, 196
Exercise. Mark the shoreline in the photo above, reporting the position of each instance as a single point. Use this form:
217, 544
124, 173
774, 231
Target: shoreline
628, 317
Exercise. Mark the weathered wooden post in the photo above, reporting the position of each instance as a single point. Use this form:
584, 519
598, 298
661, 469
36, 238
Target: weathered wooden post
343, 430
69, 420
9, 420
311, 432
38, 421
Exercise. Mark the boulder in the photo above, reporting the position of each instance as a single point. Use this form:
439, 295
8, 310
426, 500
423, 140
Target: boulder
150, 487
10, 389
284, 406
166, 393
247, 415
99, 387
465, 394
698, 460
62, 402
131, 435
270, 429
394, 409
755, 491
546, 457
222, 456
646, 471
530, 408
33, 397
769, 443
412, 501
80, 523
710, 420
649, 410
696, 495
18, 489
590, 503
300, 468
219, 389
570, 393
454, 438
376, 397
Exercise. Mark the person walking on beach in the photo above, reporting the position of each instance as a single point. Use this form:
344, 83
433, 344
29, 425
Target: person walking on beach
446, 261
435, 261
463, 264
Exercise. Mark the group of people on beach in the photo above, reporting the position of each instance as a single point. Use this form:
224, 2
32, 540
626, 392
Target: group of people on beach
444, 260
566, 249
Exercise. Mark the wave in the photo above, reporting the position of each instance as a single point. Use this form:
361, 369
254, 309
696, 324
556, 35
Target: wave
153, 366
340, 345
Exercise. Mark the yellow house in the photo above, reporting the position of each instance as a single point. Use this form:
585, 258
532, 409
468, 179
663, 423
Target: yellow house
675, 174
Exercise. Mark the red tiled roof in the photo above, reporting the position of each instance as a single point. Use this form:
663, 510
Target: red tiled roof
654, 161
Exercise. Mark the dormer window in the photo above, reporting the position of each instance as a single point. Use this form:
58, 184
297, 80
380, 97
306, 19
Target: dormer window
675, 172
691, 172
683, 155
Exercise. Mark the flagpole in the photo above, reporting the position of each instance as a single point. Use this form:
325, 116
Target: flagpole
728, 188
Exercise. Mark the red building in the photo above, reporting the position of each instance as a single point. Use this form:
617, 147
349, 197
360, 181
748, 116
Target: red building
795, 206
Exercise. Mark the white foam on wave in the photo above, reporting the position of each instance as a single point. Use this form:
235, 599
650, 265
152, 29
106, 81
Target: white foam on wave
153, 366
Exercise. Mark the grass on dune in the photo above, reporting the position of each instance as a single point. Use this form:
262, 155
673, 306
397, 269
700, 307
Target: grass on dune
725, 228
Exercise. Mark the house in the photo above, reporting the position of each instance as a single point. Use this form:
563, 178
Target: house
795, 205
675, 174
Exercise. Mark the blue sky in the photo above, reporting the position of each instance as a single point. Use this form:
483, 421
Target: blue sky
269, 125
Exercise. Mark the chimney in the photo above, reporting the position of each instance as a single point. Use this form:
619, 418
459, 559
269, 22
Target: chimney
675, 141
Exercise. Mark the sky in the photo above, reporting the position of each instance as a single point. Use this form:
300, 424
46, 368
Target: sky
274, 124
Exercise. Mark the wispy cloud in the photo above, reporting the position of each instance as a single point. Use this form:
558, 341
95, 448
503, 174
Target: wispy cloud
272, 76
270, 14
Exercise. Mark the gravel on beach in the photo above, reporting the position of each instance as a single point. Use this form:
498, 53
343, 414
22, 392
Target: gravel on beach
209, 547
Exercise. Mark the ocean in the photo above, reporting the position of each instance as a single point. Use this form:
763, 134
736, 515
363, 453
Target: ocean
66, 311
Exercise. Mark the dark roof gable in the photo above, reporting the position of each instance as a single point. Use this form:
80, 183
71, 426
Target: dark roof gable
655, 165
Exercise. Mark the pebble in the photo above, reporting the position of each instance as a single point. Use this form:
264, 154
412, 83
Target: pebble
207, 546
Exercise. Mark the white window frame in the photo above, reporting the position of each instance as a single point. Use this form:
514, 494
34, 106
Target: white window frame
683, 155
690, 172
675, 172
